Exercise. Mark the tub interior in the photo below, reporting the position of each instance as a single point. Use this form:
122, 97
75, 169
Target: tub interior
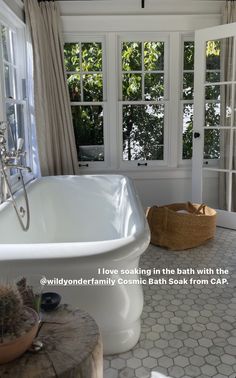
73, 209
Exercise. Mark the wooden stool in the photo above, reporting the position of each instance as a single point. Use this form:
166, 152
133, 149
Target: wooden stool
72, 348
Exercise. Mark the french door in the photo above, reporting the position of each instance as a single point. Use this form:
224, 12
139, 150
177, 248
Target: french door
214, 134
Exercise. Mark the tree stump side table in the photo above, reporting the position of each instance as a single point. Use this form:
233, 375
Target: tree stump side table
72, 348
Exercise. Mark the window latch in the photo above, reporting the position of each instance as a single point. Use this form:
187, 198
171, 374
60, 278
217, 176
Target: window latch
142, 164
83, 165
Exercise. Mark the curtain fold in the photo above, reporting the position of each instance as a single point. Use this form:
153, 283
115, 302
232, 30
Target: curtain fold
54, 127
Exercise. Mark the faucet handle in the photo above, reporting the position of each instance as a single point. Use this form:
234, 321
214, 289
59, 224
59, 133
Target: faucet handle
20, 143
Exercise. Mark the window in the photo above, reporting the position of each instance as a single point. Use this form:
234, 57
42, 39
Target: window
150, 81
13, 106
85, 78
144, 98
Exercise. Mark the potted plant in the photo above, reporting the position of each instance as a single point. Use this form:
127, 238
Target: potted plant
18, 324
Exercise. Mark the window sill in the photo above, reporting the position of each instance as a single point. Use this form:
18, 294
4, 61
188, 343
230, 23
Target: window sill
145, 173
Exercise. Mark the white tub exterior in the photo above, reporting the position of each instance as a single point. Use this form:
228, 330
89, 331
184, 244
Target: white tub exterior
78, 225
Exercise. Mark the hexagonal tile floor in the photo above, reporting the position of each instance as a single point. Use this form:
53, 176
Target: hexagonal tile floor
187, 330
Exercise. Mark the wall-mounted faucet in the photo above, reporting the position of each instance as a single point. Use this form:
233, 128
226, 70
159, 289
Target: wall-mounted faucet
11, 160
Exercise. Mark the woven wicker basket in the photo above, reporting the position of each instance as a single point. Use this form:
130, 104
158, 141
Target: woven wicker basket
181, 226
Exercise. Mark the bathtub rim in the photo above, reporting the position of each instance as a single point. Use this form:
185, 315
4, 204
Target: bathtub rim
50, 250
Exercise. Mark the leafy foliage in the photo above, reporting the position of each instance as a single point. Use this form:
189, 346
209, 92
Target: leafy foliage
83, 63
142, 80
88, 127
143, 125
143, 132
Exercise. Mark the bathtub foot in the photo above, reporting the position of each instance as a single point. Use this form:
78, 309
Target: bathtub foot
121, 341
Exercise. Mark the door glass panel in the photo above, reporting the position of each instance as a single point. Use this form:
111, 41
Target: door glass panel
219, 60
217, 147
187, 130
218, 106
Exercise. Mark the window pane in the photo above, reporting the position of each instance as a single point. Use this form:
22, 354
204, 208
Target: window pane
73, 82
132, 87
188, 55
212, 77
213, 55
88, 127
72, 56
211, 144
92, 56
212, 114
212, 92
188, 78
93, 87
187, 131
132, 56
154, 56
154, 86
143, 132
5, 44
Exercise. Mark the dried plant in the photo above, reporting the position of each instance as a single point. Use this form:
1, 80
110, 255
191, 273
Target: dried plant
11, 308
28, 296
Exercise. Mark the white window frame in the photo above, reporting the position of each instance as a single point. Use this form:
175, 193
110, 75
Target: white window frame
143, 37
8, 19
173, 165
83, 38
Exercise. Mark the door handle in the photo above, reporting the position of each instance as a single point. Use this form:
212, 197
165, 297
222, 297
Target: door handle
196, 134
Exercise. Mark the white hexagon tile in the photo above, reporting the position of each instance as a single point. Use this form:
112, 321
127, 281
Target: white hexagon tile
187, 330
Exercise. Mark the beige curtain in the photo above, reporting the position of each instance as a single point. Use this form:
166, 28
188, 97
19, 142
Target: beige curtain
229, 15
55, 135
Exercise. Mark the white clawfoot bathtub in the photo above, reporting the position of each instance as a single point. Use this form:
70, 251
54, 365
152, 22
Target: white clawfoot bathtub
80, 224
